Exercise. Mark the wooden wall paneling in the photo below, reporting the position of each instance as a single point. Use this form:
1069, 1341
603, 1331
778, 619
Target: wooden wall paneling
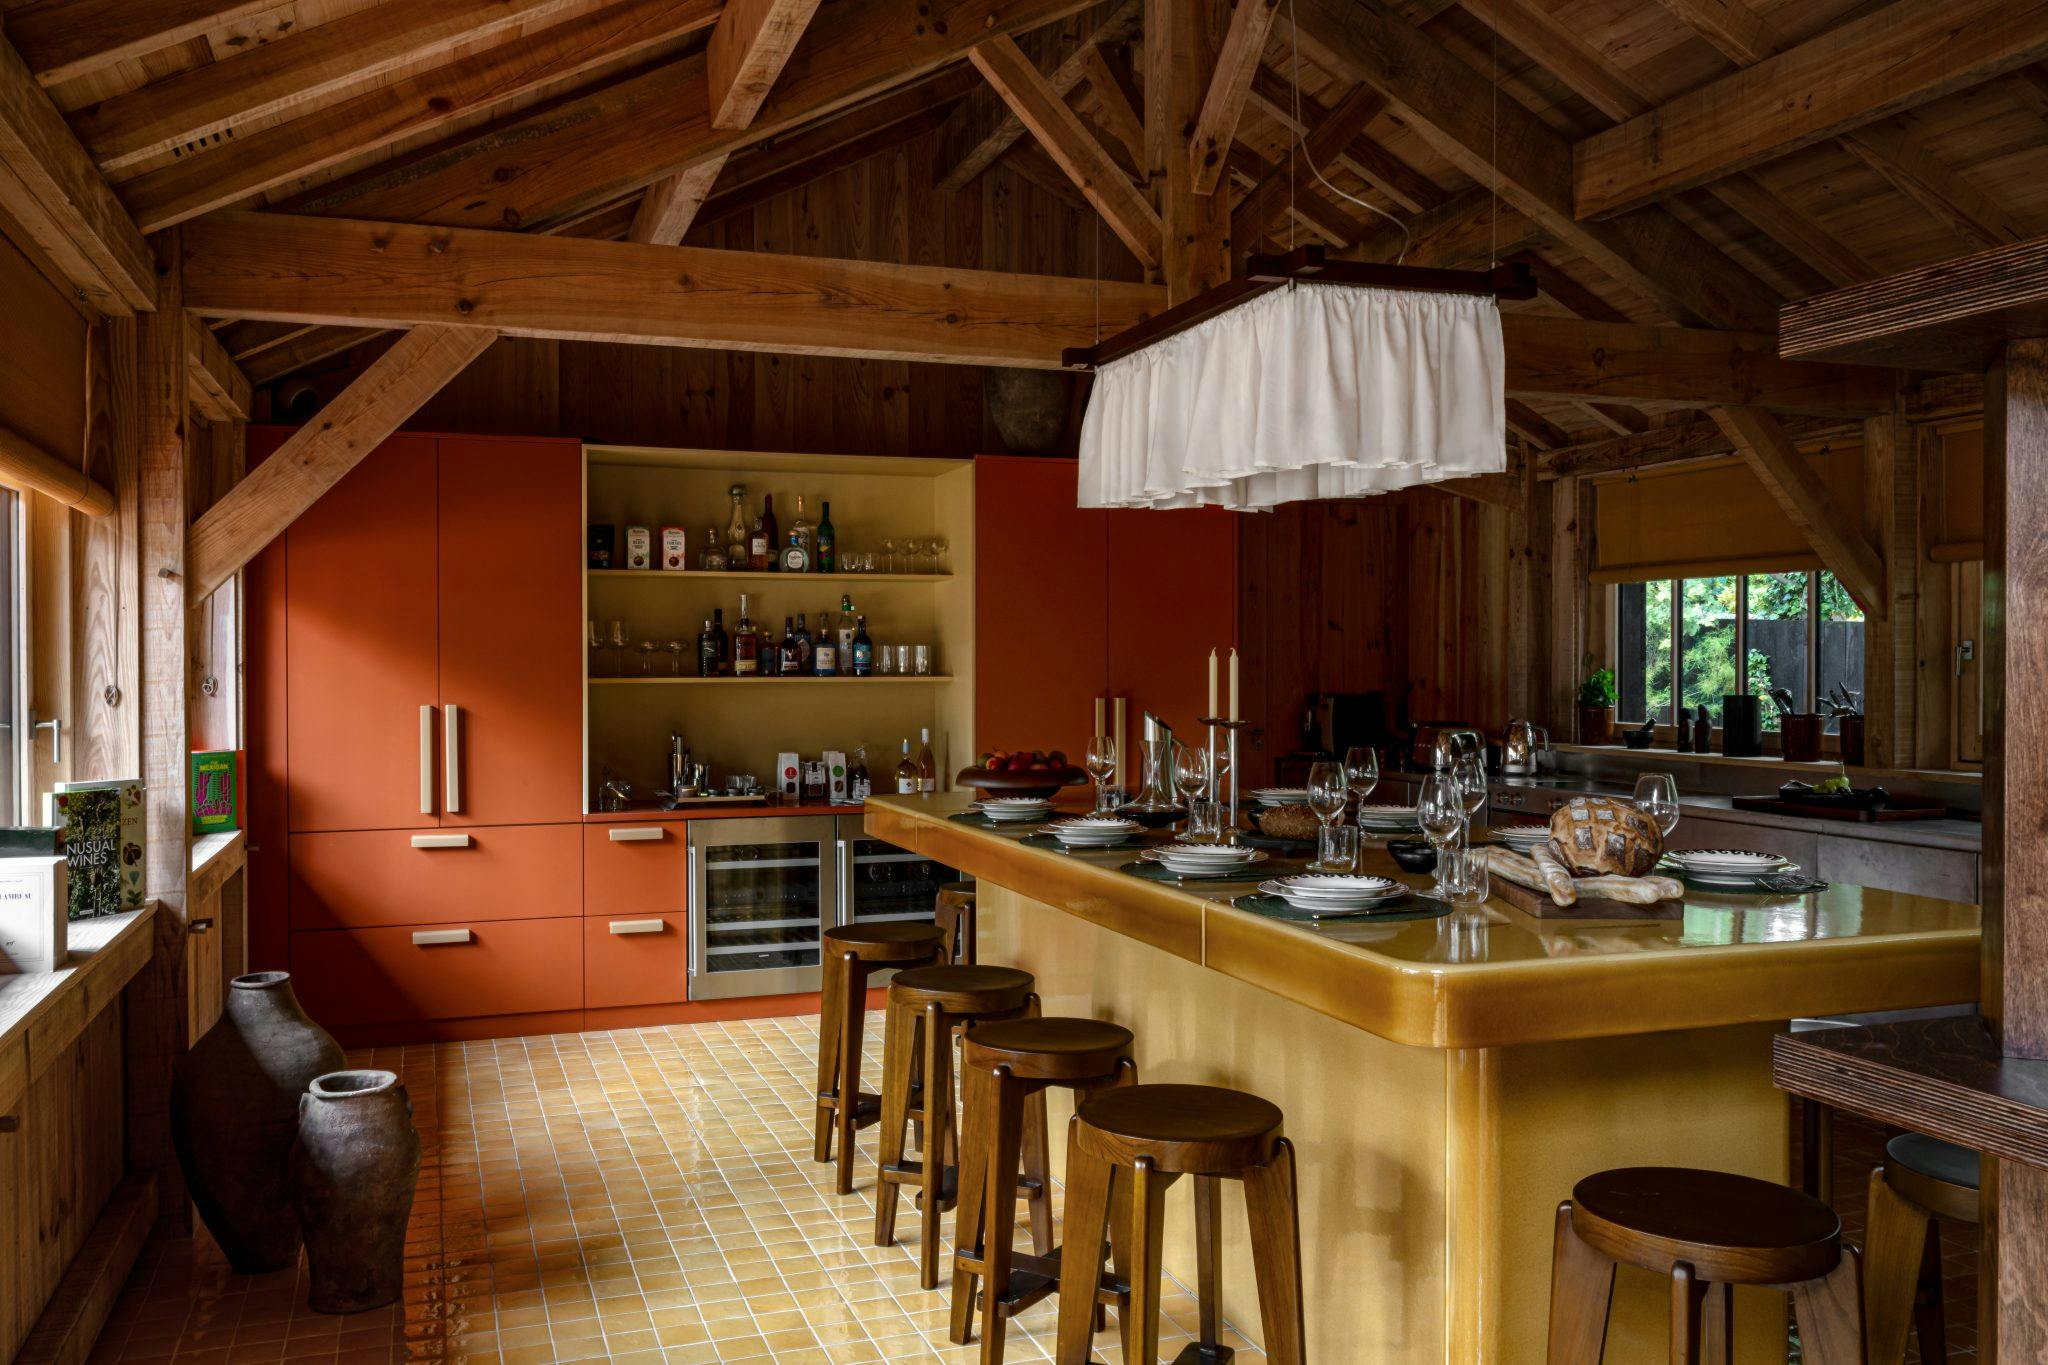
106, 739
1571, 558
1528, 637
1934, 620
1891, 659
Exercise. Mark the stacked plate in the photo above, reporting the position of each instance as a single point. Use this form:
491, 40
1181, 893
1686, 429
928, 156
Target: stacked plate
1008, 808
1386, 819
1335, 893
1522, 838
1726, 866
1204, 860
1280, 796
1092, 831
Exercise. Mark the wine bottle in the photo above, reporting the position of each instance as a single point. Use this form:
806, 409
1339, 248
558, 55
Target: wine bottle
746, 645
803, 644
761, 550
927, 767
828, 543
859, 785
707, 652
906, 772
792, 662
736, 530
825, 647
863, 665
722, 642
846, 625
797, 553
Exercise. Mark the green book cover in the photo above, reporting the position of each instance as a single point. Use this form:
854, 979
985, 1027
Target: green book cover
105, 834
216, 792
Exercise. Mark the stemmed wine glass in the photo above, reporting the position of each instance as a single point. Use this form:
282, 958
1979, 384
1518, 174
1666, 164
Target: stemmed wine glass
1191, 771
596, 645
675, 658
1362, 770
617, 640
1657, 797
888, 556
1440, 811
1101, 762
938, 549
1469, 771
1328, 792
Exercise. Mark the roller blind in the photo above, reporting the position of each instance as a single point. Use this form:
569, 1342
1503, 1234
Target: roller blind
1700, 520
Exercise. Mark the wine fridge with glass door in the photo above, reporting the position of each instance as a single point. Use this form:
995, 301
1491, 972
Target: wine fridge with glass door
879, 881
761, 895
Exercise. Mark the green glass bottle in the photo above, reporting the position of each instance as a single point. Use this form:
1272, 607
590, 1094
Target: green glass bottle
828, 550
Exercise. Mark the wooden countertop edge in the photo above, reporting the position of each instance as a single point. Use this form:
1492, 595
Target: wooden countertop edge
58, 1005
215, 858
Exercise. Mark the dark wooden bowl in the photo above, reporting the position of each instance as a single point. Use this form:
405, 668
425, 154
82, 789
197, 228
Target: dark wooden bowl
1041, 782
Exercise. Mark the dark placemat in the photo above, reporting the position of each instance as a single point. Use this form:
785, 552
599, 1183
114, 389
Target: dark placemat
1286, 848
1047, 841
1159, 872
1416, 906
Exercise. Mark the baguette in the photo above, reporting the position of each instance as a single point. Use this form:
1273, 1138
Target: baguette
1633, 890
1511, 866
1557, 878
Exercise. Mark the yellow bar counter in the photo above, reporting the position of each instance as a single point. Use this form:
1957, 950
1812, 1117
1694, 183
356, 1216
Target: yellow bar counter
1448, 1080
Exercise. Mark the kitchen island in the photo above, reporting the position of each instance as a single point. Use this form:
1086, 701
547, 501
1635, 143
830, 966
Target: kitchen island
1447, 1080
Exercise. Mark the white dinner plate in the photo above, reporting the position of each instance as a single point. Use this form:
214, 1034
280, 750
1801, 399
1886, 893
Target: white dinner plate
1725, 860
1281, 796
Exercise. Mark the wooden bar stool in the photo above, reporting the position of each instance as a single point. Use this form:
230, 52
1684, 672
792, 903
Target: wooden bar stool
1141, 1138
1706, 1230
852, 952
954, 914
1922, 1180
926, 1006
1006, 1068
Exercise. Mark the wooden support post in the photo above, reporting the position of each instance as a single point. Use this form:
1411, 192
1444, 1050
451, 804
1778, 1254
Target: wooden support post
1891, 489
1934, 620
1529, 586
1180, 53
1574, 646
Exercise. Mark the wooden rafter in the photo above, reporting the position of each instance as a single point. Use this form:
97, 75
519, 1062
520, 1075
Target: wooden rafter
1892, 149
1112, 100
748, 48
1338, 129
1180, 52
1568, 294
64, 39
1533, 427
1244, 42
1805, 500
1956, 314
599, 147
315, 457
1880, 64
344, 273
1730, 25
670, 206
1362, 156
1070, 144
310, 346
230, 171
218, 388
1270, 199
52, 192
1467, 229
1701, 440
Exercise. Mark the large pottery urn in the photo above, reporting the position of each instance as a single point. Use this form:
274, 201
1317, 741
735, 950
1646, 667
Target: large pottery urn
353, 1172
235, 1111
1028, 408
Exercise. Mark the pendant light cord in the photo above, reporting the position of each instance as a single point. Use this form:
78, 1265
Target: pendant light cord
1301, 141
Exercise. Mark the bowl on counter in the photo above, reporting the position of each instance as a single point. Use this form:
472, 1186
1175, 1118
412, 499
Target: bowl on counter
1023, 782
1413, 855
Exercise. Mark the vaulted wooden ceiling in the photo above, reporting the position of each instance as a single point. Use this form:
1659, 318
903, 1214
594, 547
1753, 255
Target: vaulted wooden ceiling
1640, 152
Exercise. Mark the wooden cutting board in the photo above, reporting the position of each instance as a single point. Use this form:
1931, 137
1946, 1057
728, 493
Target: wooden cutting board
1540, 905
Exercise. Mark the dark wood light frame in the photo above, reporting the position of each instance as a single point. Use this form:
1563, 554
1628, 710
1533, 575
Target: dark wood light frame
1304, 265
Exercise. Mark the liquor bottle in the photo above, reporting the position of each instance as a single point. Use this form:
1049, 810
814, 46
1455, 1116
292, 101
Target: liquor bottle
746, 645
713, 559
846, 627
771, 654
862, 663
761, 549
792, 654
803, 645
825, 647
859, 785
736, 530
906, 772
707, 652
798, 556
927, 768
828, 543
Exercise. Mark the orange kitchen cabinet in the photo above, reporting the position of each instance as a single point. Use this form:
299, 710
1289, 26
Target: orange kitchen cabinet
359, 879
377, 976
635, 867
634, 960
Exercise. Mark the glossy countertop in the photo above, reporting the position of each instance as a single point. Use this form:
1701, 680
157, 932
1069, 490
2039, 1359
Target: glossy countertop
1493, 975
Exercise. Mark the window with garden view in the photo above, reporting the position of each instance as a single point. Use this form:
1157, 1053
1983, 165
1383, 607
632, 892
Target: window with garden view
1687, 642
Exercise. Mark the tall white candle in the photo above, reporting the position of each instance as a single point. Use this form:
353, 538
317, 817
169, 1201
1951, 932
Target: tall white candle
1233, 685
1212, 684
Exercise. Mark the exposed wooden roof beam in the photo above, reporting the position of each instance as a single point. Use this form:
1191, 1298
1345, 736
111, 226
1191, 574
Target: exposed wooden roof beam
1738, 31
1568, 294
215, 384
1468, 229
64, 39
1067, 140
59, 201
1362, 156
1180, 52
670, 206
316, 456
231, 171
1268, 201
1956, 314
1804, 498
1893, 150
747, 51
1307, 207
1701, 440
596, 148
1880, 64
1112, 100
1784, 223
339, 272
242, 340
309, 346
2029, 88
295, 69
1533, 427
1244, 43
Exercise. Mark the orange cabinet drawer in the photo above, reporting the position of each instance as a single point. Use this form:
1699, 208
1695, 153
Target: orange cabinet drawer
361, 879
440, 971
634, 960
634, 867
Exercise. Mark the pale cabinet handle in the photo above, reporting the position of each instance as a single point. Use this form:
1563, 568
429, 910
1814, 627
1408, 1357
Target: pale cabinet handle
637, 926
440, 841
637, 834
426, 760
451, 755
428, 938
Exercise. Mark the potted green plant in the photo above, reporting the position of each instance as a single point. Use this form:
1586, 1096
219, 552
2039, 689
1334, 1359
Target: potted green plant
1596, 707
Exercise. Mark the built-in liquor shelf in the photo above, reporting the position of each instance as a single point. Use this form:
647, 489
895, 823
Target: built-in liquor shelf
662, 680
773, 575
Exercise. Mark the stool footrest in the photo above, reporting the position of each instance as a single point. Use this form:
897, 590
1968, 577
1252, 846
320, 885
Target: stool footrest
1195, 1353
910, 1171
1033, 1277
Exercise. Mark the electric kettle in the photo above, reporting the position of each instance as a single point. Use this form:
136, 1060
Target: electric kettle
1523, 752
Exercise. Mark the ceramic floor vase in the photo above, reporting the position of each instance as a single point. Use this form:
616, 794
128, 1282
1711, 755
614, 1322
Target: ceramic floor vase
235, 1113
353, 1170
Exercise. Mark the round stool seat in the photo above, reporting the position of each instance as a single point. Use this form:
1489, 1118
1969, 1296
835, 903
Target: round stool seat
1730, 1228
1187, 1129
1048, 1049
1939, 1176
889, 941
963, 989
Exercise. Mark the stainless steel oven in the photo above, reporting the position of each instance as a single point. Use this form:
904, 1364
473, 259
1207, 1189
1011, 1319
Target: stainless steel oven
762, 892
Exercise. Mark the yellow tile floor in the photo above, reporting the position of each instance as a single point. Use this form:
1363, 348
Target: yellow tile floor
641, 1195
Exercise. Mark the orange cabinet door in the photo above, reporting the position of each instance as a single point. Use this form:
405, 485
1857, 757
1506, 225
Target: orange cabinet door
1041, 642
634, 960
482, 967
635, 867
1172, 598
365, 878
360, 660
511, 630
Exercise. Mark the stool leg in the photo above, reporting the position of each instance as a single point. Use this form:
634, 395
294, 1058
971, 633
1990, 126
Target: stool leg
1927, 1319
969, 1212
938, 1138
1148, 1186
1276, 1256
1830, 1314
899, 1037
829, 1011
969, 931
853, 1002
1717, 1326
1686, 1293
1038, 1167
999, 1220
1894, 1247
1581, 1283
1081, 1256
1208, 1236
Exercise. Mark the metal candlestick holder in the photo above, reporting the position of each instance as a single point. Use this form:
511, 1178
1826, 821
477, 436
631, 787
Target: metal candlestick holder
1229, 729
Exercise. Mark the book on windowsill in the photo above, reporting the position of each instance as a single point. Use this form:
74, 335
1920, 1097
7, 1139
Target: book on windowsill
105, 837
34, 936
216, 783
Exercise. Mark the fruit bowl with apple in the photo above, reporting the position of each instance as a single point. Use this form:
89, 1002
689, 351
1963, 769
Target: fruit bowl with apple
1021, 772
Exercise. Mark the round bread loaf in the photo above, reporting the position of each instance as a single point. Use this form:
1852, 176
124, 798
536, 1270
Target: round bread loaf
1289, 822
1600, 836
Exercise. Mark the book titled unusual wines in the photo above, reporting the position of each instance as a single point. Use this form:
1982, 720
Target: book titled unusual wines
105, 837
